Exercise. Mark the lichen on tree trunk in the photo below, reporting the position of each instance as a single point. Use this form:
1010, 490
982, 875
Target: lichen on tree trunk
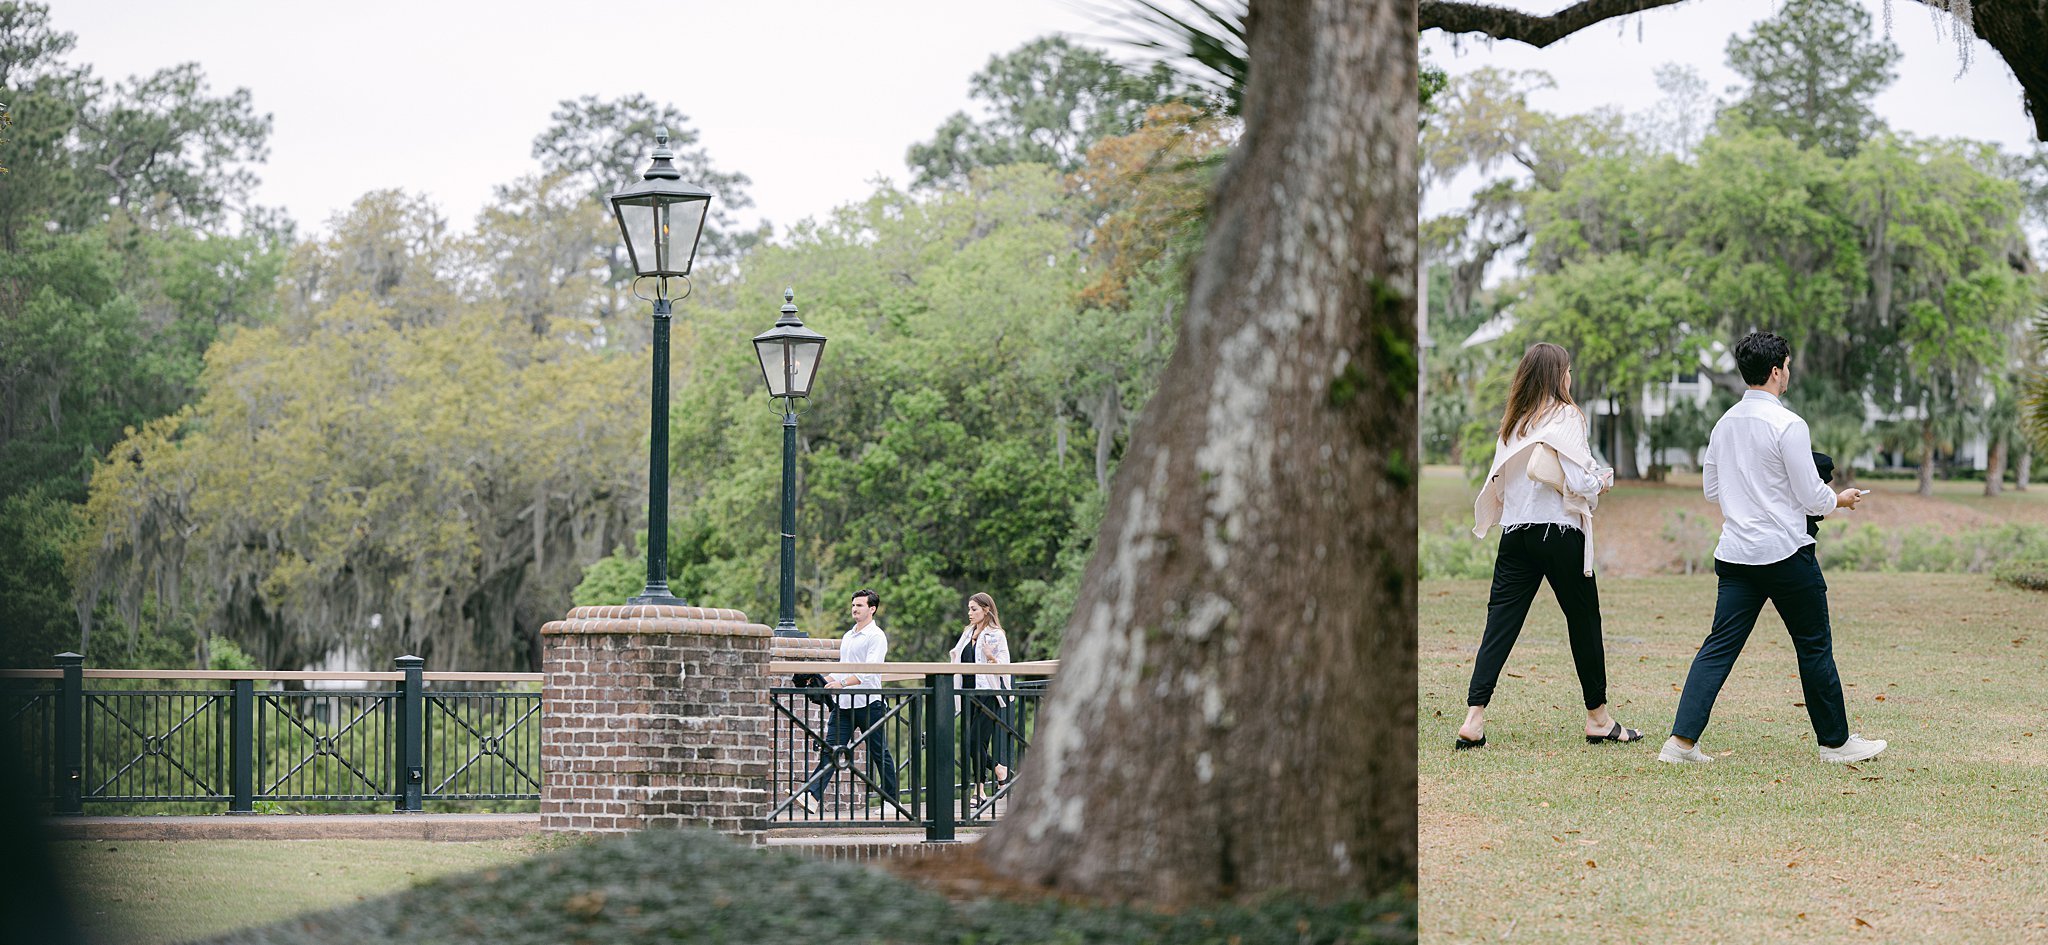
1235, 710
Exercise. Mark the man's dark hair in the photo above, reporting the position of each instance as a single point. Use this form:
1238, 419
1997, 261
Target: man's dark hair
874, 599
1757, 353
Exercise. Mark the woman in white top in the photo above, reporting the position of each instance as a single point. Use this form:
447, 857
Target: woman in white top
985, 710
1542, 490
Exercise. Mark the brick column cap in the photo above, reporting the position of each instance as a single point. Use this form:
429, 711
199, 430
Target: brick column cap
653, 619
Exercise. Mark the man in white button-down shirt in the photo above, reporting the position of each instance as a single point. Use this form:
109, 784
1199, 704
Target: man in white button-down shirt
1759, 467
856, 712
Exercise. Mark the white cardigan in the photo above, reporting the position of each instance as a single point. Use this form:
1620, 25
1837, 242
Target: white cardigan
994, 648
1561, 429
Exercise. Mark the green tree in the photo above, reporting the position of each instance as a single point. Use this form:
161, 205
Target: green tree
381, 467
1940, 233
162, 149
1627, 321
930, 457
1814, 70
45, 99
37, 533
1046, 102
604, 145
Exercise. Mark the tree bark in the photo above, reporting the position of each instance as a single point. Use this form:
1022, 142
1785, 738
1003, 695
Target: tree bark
2023, 470
1537, 31
1236, 713
1994, 468
1927, 457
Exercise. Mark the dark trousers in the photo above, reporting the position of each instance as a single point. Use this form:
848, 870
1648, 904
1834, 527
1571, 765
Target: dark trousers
840, 731
1796, 588
986, 735
1528, 556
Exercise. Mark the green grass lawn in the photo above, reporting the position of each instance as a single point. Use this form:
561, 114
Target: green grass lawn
1539, 837
154, 891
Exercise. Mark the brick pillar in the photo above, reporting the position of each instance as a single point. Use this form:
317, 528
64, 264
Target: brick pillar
654, 717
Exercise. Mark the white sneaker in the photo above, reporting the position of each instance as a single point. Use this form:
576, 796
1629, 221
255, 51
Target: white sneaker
1856, 748
1676, 755
807, 802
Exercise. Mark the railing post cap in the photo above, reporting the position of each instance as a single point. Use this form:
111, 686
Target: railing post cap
407, 662
70, 659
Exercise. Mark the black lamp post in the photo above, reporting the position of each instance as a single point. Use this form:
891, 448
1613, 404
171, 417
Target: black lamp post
789, 355
662, 219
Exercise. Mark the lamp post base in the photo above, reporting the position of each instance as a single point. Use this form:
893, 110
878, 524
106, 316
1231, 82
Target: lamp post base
657, 596
788, 629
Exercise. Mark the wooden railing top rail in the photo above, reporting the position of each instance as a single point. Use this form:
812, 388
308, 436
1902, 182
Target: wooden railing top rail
270, 674
778, 667
914, 670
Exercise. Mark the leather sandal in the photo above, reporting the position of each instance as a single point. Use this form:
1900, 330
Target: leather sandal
1616, 734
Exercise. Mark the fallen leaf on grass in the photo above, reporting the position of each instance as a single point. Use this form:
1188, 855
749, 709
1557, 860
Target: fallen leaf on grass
1862, 924
1793, 865
1592, 865
1880, 697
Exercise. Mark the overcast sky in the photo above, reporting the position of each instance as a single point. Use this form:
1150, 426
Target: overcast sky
812, 100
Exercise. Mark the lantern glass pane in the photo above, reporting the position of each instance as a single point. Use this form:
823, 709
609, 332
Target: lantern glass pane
771, 353
637, 220
804, 363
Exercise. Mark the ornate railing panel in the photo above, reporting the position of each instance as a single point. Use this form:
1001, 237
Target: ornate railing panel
956, 755
124, 737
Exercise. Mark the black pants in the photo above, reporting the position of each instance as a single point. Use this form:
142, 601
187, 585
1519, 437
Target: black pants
1796, 588
1528, 556
840, 732
987, 736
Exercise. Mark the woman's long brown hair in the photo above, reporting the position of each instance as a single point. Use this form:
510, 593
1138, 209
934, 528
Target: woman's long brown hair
1538, 385
988, 611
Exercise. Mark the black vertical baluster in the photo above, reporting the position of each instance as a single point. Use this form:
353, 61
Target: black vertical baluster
914, 752
411, 735
939, 764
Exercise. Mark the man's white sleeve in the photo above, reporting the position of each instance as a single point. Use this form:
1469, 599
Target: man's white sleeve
1710, 473
1816, 497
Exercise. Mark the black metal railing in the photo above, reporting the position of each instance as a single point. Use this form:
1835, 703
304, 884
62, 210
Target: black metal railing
953, 753
110, 738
